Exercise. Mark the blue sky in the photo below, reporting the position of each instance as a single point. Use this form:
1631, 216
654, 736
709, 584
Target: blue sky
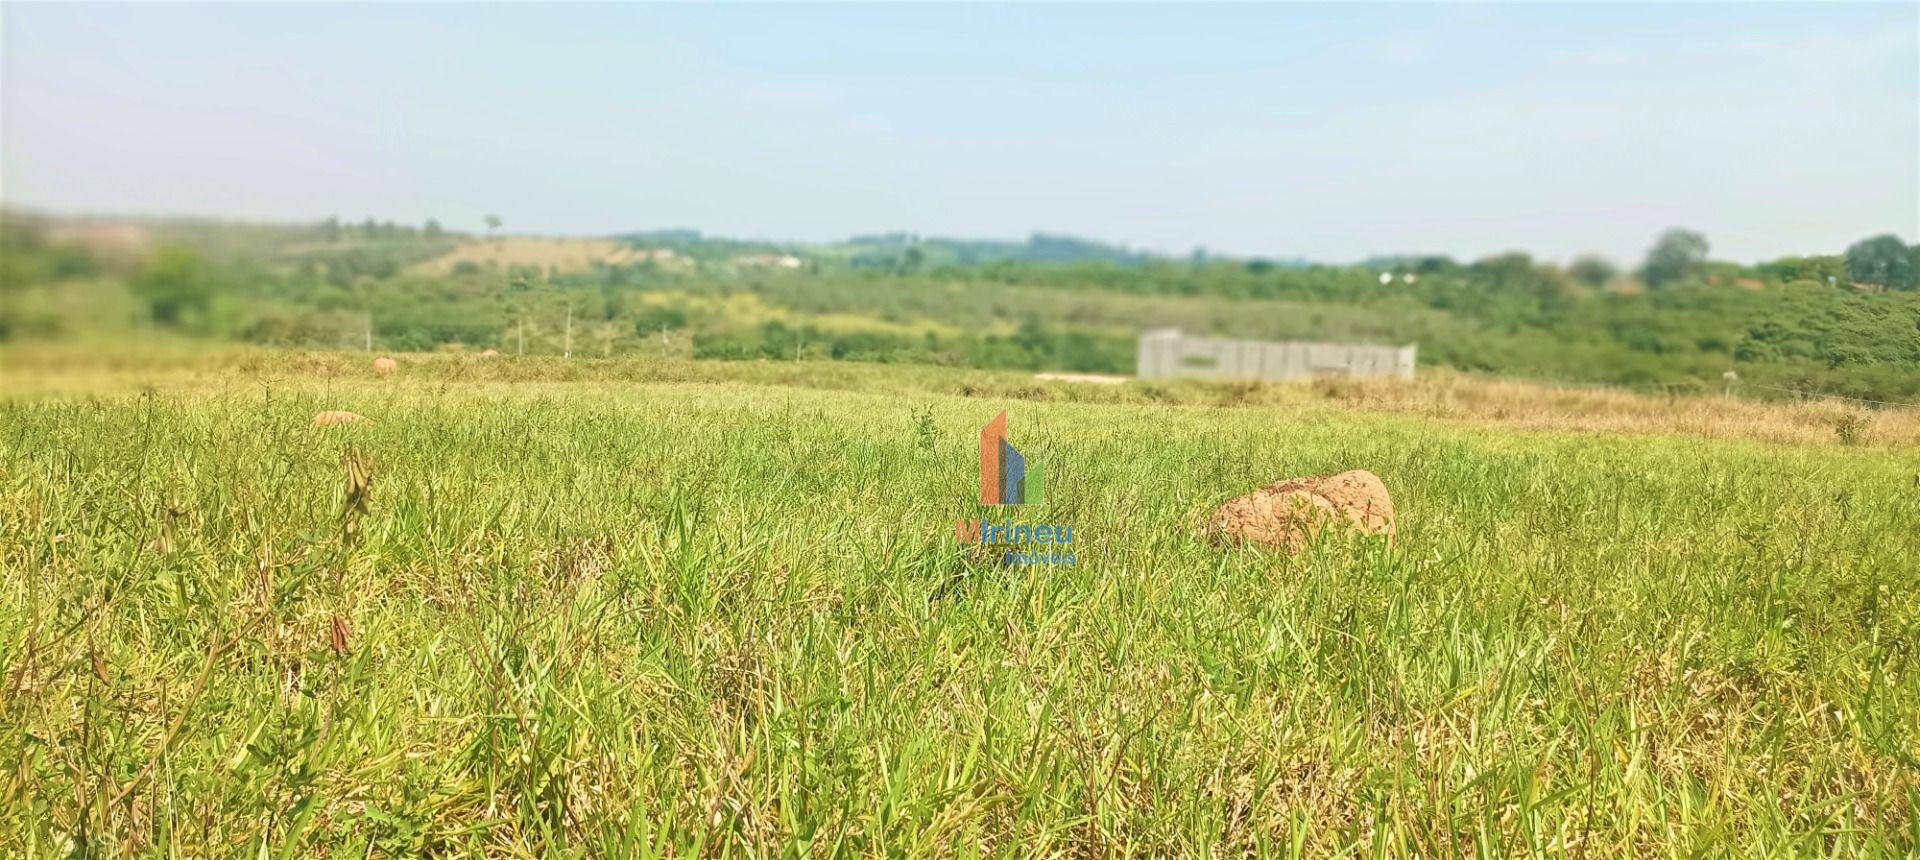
1331, 132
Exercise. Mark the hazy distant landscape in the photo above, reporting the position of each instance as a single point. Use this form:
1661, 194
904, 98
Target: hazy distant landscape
399, 540
931, 430
1839, 324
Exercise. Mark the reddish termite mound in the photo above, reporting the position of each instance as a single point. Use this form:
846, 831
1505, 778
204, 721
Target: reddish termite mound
1287, 514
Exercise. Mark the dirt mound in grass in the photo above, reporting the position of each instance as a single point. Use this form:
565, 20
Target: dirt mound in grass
1286, 515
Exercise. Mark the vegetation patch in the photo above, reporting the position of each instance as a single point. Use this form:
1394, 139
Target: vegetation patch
621, 607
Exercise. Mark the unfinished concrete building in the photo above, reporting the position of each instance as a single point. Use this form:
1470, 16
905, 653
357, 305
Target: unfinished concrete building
1169, 353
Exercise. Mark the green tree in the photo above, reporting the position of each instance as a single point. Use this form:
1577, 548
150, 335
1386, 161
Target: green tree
1827, 270
1674, 257
174, 284
1883, 260
613, 300
652, 318
1511, 270
493, 223
431, 229
1592, 270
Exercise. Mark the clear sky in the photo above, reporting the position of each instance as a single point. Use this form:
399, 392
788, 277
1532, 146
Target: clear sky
1331, 132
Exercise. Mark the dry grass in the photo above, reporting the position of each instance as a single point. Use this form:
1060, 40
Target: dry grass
1439, 394
535, 607
560, 254
1534, 406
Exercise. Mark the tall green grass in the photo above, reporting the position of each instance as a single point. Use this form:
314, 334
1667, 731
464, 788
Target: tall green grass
689, 617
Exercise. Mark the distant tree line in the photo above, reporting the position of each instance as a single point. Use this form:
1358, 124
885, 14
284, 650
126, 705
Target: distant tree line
334, 230
1845, 323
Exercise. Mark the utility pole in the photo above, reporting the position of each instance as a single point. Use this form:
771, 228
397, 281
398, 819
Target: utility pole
369, 331
566, 350
523, 335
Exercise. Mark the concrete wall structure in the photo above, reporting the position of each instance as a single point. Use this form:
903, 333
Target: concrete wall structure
1168, 353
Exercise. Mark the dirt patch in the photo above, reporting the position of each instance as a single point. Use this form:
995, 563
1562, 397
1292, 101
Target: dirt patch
547, 252
1286, 515
112, 240
1094, 378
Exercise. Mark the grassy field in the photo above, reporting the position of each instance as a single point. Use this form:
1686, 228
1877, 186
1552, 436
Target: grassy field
541, 608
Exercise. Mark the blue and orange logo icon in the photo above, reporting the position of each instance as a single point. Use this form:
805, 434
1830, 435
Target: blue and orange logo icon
1006, 478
